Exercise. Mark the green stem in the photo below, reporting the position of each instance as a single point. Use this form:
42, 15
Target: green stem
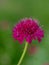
23, 54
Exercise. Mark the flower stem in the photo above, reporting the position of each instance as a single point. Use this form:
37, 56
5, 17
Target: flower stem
23, 54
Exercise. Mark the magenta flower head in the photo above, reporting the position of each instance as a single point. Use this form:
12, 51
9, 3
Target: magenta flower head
27, 29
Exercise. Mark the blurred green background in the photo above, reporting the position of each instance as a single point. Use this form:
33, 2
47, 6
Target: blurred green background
11, 11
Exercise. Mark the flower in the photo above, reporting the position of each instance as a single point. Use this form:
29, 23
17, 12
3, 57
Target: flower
27, 29
46, 64
32, 49
4, 25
